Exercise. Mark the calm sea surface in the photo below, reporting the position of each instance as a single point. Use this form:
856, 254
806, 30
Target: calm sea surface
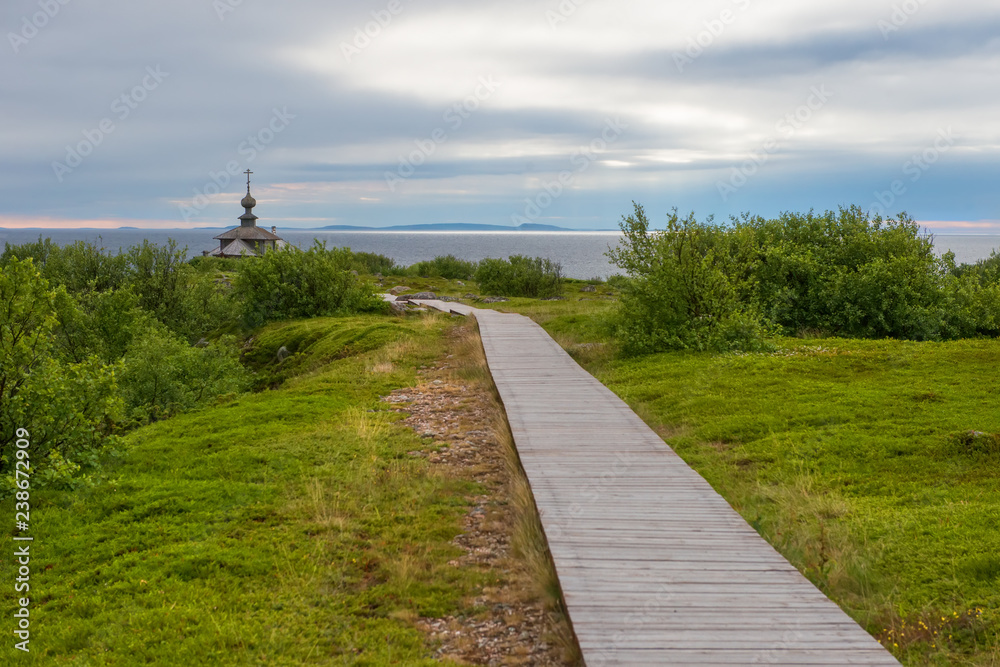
580, 253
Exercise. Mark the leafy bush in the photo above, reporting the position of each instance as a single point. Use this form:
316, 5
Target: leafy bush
78, 267
519, 276
448, 266
985, 271
291, 283
372, 263
617, 281
214, 265
708, 286
849, 274
163, 375
68, 407
185, 299
99, 323
690, 288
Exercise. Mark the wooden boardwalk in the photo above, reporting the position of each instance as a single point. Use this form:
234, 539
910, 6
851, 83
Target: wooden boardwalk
656, 568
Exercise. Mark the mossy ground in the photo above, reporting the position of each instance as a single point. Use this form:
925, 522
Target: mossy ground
285, 527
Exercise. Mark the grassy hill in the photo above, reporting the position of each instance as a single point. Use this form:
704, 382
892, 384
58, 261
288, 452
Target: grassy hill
284, 527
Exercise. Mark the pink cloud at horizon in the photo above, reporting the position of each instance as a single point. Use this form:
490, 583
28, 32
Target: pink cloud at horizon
45, 222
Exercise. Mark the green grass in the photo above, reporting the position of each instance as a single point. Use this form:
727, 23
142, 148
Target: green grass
852, 457
844, 455
287, 527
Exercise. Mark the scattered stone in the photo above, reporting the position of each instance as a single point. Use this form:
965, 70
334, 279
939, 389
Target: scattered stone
423, 295
405, 297
354, 273
588, 288
202, 343
447, 299
469, 296
512, 626
398, 289
460, 283
554, 298
495, 299
282, 354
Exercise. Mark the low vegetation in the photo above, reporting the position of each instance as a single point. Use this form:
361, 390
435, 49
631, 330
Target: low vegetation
519, 276
705, 286
828, 374
293, 284
287, 527
871, 465
93, 344
447, 266
868, 463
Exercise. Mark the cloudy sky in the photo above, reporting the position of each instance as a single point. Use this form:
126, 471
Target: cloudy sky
117, 112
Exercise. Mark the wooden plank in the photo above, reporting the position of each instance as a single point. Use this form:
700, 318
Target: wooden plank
655, 566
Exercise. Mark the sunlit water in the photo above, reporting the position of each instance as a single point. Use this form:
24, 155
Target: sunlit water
580, 253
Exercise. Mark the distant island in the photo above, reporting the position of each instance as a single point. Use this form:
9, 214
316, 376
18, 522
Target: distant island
435, 227
450, 227
432, 227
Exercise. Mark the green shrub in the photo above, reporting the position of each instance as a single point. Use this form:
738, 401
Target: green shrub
183, 296
292, 283
447, 266
519, 276
79, 266
849, 274
985, 271
708, 286
617, 282
372, 263
68, 407
214, 265
164, 375
690, 287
